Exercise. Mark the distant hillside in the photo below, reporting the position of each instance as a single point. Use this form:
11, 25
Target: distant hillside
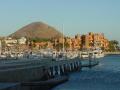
37, 30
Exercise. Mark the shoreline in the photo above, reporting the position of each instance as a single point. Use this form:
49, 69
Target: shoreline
112, 53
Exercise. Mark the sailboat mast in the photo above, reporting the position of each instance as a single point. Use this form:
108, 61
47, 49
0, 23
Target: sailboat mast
63, 37
0, 47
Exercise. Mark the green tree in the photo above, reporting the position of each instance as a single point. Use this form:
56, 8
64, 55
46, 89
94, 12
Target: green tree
113, 45
67, 45
59, 46
103, 48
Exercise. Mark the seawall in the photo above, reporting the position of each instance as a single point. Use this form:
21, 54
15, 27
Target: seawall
112, 53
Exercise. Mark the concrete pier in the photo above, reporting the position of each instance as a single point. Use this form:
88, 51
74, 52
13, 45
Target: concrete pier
13, 73
35, 70
62, 67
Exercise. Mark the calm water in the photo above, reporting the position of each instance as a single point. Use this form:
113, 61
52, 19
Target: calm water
105, 76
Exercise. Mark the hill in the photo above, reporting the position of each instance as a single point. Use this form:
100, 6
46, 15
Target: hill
37, 30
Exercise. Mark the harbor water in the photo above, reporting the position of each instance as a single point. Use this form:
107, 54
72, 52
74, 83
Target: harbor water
105, 76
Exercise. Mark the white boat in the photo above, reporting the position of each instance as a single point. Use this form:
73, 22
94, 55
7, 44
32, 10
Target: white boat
98, 53
84, 54
95, 53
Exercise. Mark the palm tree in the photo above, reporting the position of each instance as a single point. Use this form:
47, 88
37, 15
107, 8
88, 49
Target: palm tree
113, 45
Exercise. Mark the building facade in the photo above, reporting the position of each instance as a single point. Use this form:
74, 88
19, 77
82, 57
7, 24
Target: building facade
87, 41
22, 40
72, 43
94, 40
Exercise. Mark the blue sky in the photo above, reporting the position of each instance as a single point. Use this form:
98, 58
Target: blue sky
78, 16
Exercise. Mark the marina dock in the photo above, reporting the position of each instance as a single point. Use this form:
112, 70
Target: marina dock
36, 70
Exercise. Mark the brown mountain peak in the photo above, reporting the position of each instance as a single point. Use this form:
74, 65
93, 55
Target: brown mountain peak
37, 30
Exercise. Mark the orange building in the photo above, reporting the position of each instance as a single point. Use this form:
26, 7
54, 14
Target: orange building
90, 40
74, 43
23, 48
94, 40
40, 45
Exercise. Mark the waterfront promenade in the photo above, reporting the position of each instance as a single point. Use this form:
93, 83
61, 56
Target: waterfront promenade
112, 53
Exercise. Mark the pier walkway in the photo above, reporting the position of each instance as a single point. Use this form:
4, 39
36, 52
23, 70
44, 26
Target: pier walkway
30, 70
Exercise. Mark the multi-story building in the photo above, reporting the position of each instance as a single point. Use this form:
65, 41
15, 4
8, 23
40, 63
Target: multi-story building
94, 40
40, 45
74, 43
78, 36
90, 40
22, 40
9, 41
106, 44
84, 41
